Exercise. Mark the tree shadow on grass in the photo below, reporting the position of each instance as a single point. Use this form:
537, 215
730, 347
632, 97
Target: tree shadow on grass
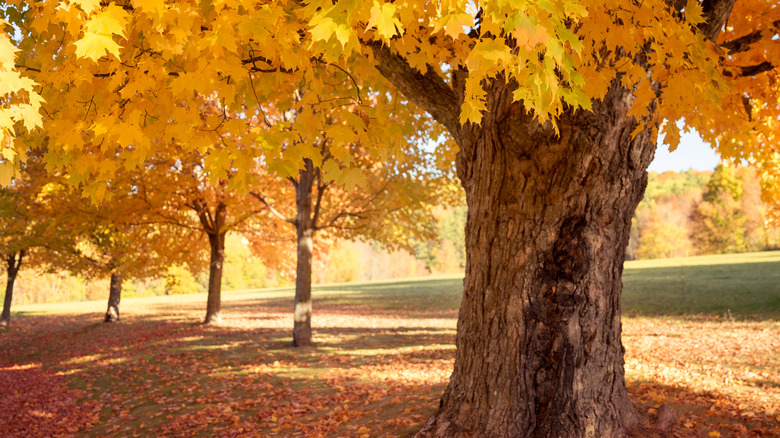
744, 291
153, 377
175, 379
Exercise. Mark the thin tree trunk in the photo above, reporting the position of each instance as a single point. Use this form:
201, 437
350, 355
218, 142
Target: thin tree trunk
114, 296
302, 308
539, 350
13, 263
214, 302
305, 231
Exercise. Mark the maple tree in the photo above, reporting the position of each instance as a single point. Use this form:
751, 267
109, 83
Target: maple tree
718, 222
120, 238
28, 225
178, 191
14, 245
555, 107
365, 171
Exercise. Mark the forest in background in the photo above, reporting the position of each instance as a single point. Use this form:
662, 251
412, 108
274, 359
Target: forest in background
682, 214
701, 212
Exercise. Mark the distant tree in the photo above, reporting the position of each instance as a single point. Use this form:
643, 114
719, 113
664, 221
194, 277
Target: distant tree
661, 239
452, 227
363, 170
119, 237
446, 259
753, 209
718, 224
343, 263
28, 226
179, 280
178, 190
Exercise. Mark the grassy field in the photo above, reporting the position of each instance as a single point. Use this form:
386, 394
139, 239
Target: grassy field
701, 334
739, 286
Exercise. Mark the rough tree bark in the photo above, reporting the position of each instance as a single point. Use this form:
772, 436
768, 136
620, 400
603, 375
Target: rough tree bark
214, 301
13, 263
114, 296
305, 227
539, 350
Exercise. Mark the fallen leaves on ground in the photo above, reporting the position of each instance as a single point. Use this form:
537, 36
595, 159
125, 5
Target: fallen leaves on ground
37, 403
372, 373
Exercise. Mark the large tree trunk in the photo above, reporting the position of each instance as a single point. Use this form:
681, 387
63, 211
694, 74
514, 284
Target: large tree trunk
305, 231
539, 350
13, 263
214, 301
114, 296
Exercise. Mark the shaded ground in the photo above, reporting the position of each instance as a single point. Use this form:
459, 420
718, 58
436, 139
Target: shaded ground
383, 356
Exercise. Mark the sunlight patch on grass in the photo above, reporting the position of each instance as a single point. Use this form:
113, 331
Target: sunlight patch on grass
83, 359
397, 350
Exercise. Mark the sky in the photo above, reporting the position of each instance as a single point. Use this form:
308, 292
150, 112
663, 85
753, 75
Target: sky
692, 153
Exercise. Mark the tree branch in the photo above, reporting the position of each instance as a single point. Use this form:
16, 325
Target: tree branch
274, 211
716, 12
240, 220
428, 90
751, 70
744, 42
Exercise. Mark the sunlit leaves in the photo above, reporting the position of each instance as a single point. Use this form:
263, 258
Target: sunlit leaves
383, 16
189, 69
693, 12
95, 46
99, 34
20, 107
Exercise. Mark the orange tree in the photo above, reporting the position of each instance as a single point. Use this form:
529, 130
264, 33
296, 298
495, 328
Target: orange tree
29, 227
119, 237
555, 107
178, 192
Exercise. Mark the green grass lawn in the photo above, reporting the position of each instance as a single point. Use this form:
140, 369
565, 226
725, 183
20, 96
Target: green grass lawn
701, 334
733, 285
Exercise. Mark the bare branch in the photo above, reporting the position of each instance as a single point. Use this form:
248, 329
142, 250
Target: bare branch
240, 220
274, 211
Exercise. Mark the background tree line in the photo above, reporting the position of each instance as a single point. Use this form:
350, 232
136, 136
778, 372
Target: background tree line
682, 214
702, 212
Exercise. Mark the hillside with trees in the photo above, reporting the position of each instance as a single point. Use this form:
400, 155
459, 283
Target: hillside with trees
700, 213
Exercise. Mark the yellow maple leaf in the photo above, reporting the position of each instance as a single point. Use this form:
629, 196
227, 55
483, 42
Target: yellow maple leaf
7, 50
156, 7
384, 19
88, 6
111, 21
693, 14
671, 136
454, 24
94, 46
7, 172
472, 111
